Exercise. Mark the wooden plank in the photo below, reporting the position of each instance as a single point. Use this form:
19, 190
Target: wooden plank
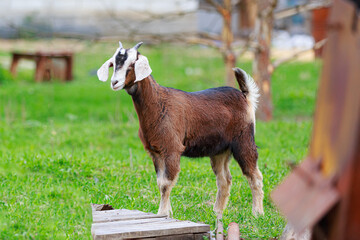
200, 236
130, 222
134, 224
121, 215
149, 228
139, 224
197, 236
310, 199
118, 211
101, 207
172, 237
32, 55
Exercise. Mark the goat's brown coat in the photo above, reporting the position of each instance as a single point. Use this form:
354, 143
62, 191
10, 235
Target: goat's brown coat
197, 124
215, 122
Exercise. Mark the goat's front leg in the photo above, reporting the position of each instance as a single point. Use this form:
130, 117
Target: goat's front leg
167, 171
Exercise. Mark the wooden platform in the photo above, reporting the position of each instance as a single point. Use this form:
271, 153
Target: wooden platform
134, 224
45, 67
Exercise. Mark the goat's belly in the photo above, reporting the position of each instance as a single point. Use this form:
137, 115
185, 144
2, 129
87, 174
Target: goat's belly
205, 147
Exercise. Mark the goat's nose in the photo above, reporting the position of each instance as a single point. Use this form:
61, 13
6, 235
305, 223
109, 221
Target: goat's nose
114, 82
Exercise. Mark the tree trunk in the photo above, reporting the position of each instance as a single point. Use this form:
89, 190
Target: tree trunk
227, 39
230, 62
262, 64
247, 16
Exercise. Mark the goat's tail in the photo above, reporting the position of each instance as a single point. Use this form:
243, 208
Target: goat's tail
248, 87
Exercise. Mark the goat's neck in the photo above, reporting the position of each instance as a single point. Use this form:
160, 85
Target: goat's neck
147, 99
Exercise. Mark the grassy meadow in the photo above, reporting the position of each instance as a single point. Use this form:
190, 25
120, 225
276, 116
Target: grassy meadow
66, 145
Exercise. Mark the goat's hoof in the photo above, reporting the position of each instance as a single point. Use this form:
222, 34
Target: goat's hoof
163, 213
168, 213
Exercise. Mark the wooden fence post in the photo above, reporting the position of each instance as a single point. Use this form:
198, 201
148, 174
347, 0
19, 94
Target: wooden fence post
327, 193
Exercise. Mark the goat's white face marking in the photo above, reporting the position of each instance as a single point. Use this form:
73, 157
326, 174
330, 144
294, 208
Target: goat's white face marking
121, 61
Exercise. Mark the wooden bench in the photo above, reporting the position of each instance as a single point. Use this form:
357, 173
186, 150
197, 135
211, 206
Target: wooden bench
45, 69
134, 224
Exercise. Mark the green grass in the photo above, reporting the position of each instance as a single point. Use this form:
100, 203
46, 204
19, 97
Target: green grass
64, 146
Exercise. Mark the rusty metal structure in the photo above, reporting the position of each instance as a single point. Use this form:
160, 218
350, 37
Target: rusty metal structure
323, 192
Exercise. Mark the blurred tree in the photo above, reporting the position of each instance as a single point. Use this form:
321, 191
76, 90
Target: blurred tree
262, 65
260, 14
227, 38
247, 10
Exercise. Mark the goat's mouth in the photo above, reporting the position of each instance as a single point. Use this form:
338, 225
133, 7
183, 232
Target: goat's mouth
118, 87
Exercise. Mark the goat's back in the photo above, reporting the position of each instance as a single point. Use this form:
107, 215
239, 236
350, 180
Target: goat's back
211, 119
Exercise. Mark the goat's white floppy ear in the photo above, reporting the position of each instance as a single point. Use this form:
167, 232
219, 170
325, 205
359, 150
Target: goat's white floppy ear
103, 72
142, 68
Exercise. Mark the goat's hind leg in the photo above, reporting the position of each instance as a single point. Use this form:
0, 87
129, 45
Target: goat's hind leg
255, 180
220, 166
245, 153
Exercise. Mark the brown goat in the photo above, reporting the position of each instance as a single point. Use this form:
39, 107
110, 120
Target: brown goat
217, 122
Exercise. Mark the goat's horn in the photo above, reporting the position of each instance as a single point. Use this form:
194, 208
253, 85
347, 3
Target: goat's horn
138, 45
120, 45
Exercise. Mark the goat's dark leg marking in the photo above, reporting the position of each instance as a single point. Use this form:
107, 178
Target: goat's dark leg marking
167, 171
245, 153
220, 166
